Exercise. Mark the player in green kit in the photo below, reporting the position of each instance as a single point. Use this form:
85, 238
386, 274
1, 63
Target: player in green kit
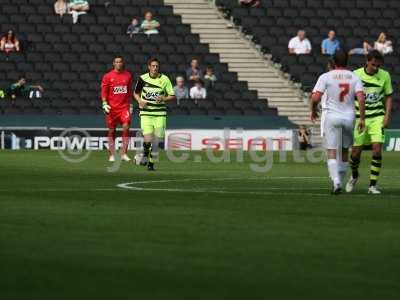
152, 91
378, 107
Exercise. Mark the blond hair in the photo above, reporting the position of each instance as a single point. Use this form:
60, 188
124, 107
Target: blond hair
381, 38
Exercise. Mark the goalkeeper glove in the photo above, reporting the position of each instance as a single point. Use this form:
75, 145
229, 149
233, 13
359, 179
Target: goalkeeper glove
106, 107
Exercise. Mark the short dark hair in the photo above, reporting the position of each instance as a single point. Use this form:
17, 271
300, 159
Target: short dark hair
151, 60
374, 54
117, 56
340, 58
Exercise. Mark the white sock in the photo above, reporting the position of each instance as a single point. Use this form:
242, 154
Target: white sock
333, 169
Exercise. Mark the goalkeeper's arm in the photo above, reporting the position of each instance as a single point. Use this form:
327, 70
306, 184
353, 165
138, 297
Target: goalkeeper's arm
105, 106
105, 87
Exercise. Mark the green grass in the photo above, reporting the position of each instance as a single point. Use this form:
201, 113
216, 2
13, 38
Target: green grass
212, 231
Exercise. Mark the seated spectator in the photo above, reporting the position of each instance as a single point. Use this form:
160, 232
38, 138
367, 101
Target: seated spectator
304, 138
181, 91
77, 8
361, 51
133, 28
383, 45
9, 43
300, 44
194, 72
21, 89
331, 44
209, 78
60, 7
249, 3
198, 91
149, 25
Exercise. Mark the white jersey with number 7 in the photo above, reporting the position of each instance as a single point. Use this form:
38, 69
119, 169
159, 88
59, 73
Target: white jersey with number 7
340, 87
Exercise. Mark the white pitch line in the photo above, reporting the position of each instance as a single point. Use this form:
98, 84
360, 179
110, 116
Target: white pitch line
268, 191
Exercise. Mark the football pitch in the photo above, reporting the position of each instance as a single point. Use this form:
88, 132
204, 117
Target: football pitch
194, 230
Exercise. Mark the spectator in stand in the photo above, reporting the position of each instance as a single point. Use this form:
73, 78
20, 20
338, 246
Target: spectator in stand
361, 51
181, 91
133, 28
209, 78
149, 25
331, 44
77, 8
383, 45
194, 72
300, 44
198, 91
9, 43
60, 7
304, 138
21, 89
249, 3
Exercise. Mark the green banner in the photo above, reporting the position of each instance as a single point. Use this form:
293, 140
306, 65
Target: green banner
392, 140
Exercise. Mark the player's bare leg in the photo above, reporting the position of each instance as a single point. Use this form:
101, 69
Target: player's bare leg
111, 144
125, 142
148, 139
333, 168
354, 164
376, 165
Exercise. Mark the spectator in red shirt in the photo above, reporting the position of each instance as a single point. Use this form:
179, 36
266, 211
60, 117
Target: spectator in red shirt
9, 43
116, 94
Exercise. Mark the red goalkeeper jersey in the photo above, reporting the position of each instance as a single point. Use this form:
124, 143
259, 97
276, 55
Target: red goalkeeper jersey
117, 88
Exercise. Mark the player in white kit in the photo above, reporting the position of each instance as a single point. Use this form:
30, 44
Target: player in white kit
340, 86
330, 67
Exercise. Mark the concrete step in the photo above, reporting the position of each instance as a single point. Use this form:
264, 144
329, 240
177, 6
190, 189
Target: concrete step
263, 78
297, 110
216, 31
208, 20
241, 50
249, 61
206, 34
245, 70
240, 54
191, 5
208, 27
224, 41
192, 11
283, 103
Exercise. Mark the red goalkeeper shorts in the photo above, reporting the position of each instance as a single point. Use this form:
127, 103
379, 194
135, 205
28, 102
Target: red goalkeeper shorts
115, 118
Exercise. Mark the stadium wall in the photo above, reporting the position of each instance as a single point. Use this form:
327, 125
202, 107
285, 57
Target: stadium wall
174, 122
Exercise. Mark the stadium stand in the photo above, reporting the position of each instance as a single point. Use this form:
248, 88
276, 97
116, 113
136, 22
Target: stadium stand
68, 59
273, 24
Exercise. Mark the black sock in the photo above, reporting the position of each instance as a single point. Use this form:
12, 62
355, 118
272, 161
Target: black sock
146, 149
376, 165
354, 164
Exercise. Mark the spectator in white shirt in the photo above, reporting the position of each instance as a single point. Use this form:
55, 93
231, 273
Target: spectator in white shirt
300, 44
198, 91
181, 91
383, 45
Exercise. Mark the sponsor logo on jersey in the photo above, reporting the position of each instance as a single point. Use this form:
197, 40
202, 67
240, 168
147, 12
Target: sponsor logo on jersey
371, 98
117, 90
152, 95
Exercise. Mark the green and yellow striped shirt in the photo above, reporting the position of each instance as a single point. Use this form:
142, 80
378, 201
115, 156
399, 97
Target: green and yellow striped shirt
376, 88
149, 88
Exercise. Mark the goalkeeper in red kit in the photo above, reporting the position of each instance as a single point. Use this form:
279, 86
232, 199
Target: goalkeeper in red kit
116, 95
